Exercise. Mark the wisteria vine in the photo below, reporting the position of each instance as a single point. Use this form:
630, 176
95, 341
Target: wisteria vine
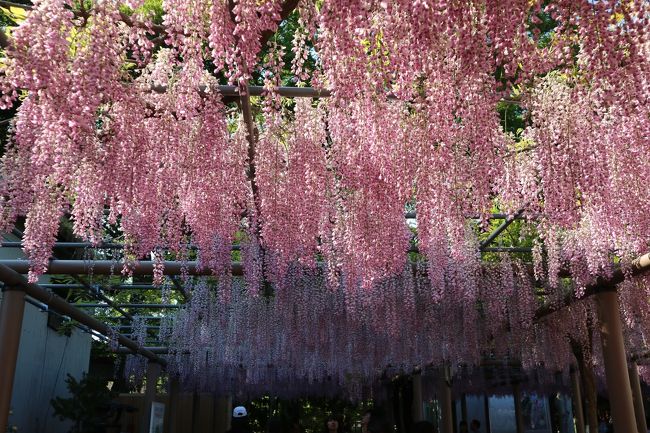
120, 123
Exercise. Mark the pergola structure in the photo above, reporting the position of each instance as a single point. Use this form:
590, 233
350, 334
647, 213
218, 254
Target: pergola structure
16, 287
624, 389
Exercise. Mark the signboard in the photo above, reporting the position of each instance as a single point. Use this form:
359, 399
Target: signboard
157, 420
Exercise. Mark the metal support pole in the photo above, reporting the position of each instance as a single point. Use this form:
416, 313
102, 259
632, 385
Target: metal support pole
637, 397
577, 401
153, 373
417, 409
618, 381
11, 323
444, 395
519, 416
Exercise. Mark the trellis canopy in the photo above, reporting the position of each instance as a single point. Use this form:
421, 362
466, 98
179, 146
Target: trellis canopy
143, 127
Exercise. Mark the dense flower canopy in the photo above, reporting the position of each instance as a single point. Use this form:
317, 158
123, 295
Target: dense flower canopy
121, 123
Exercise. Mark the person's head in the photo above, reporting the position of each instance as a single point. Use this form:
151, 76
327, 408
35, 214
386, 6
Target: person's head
239, 419
239, 412
333, 424
475, 425
462, 427
423, 427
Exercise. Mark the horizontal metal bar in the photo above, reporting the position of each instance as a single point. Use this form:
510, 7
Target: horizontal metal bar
507, 250
494, 216
58, 245
156, 306
158, 350
131, 326
415, 249
109, 267
289, 92
105, 246
12, 244
44, 308
108, 287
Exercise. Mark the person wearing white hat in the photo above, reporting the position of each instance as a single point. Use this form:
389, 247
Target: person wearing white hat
239, 412
239, 423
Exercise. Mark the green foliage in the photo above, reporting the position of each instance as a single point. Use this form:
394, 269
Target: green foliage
513, 118
88, 405
519, 233
11, 16
283, 37
542, 27
152, 8
311, 412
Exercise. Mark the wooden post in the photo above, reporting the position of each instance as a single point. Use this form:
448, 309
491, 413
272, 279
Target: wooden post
444, 396
172, 411
11, 324
637, 397
417, 409
486, 401
153, 373
577, 401
519, 416
618, 381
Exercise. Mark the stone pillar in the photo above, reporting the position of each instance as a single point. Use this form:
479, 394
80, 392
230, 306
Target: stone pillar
616, 374
418, 413
577, 401
11, 324
153, 373
637, 397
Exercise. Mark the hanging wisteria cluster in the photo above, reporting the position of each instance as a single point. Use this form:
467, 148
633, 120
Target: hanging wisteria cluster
121, 123
304, 341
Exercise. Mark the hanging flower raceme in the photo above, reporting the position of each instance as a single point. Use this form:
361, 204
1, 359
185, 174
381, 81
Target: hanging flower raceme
123, 117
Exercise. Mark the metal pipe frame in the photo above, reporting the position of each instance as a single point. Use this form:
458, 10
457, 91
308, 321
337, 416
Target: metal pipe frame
44, 308
97, 293
416, 249
500, 229
109, 267
158, 350
115, 246
13, 279
156, 306
72, 286
100, 246
639, 266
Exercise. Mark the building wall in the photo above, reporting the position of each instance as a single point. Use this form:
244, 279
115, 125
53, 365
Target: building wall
45, 358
